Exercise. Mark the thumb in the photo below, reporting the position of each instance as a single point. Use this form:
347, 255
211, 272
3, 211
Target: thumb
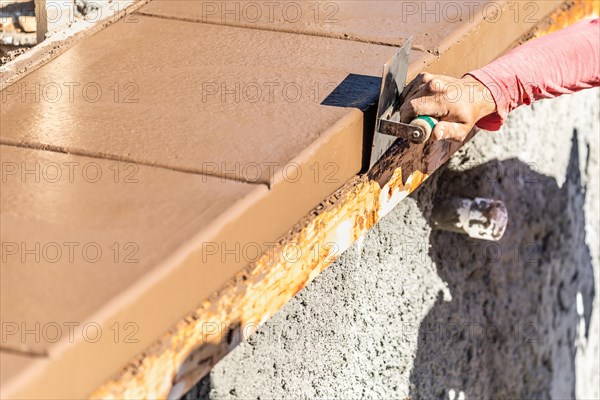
450, 131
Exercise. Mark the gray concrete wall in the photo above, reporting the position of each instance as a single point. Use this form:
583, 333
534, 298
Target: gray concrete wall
413, 313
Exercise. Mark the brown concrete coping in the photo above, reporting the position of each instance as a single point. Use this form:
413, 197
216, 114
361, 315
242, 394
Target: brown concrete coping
371, 21
91, 245
152, 107
13, 365
224, 101
383, 22
166, 134
436, 26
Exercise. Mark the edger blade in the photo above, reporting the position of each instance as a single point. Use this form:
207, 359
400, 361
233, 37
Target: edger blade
393, 82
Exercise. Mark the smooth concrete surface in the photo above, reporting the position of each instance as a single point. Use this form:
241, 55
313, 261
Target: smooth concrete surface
88, 243
411, 312
448, 37
13, 365
383, 22
237, 104
228, 102
371, 21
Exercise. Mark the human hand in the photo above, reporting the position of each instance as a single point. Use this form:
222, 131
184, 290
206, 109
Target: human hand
457, 103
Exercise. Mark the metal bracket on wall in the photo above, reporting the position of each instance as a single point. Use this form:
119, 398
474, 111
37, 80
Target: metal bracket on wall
484, 219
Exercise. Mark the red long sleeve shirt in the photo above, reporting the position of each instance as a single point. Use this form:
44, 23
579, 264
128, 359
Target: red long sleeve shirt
563, 62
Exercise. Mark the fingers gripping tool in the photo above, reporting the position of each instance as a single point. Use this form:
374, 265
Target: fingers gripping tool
388, 127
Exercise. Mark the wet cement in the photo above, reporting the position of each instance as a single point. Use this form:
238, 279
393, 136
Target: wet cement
411, 312
79, 234
368, 21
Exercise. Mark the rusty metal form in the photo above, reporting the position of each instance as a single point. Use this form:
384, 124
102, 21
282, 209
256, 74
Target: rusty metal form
196, 343
569, 12
257, 293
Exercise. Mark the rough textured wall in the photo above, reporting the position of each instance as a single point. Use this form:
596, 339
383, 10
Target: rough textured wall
411, 312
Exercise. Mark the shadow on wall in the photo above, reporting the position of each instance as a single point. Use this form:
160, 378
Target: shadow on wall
511, 327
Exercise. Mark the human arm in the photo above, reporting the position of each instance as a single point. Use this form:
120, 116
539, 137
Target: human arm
563, 62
